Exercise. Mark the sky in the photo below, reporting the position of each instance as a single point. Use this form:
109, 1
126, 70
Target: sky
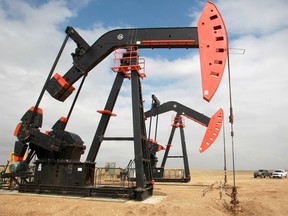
32, 31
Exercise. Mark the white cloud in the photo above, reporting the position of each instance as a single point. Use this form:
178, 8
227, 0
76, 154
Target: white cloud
250, 17
30, 42
254, 17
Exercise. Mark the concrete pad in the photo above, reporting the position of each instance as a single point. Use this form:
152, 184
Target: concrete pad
150, 200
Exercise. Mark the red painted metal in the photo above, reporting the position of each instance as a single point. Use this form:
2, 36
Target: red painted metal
17, 159
16, 131
213, 49
212, 131
39, 110
108, 112
133, 60
63, 82
63, 119
166, 43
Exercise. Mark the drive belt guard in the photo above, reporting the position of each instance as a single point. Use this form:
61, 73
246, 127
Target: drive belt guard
212, 48
212, 131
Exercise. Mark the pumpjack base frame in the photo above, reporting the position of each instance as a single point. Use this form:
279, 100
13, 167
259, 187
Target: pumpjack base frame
78, 180
87, 191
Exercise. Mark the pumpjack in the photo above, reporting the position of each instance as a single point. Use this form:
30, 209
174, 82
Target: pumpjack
213, 125
58, 167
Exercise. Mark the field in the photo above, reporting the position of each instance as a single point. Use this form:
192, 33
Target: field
256, 197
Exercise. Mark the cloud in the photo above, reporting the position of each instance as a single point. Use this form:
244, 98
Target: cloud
253, 17
249, 17
31, 39
258, 80
30, 43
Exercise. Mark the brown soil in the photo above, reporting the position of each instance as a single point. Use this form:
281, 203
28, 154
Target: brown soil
256, 197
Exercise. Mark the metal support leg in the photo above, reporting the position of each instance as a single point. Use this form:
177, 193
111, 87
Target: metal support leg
98, 138
168, 146
184, 152
142, 162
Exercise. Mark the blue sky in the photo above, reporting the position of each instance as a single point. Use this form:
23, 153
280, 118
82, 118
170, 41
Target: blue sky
136, 13
31, 34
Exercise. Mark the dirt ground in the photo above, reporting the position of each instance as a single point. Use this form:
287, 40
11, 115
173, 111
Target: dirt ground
256, 197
